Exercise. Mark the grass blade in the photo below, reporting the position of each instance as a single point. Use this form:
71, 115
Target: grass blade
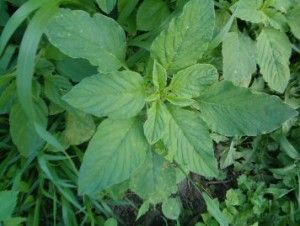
16, 20
26, 63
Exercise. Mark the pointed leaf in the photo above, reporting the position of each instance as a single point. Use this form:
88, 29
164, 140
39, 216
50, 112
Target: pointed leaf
239, 61
156, 123
189, 142
231, 110
249, 11
98, 39
191, 81
159, 76
273, 53
187, 37
106, 5
118, 95
115, 152
214, 209
293, 18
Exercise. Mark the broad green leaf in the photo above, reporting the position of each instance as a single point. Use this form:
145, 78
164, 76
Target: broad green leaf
80, 127
187, 37
171, 208
281, 5
239, 59
75, 69
115, 152
98, 39
8, 204
106, 5
293, 17
191, 81
155, 179
273, 53
214, 209
249, 11
151, 14
111, 222
231, 110
118, 94
189, 143
157, 122
22, 130
276, 19
160, 76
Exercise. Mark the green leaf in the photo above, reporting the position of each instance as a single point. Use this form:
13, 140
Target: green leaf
214, 209
106, 5
75, 69
55, 86
293, 18
180, 101
187, 37
15, 221
23, 132
8, 204
143, 209
234, 197
16, 20
98, 39
231, 110
111, 222
151, 14
276, 19
118, 94
155, 179
249, 11
171, 208
281, 5
189, 143
191, 81
26, 65
4, 16
157, 122
239, 59
7, 95
115, 152
80, 127
160, 76
273, 53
